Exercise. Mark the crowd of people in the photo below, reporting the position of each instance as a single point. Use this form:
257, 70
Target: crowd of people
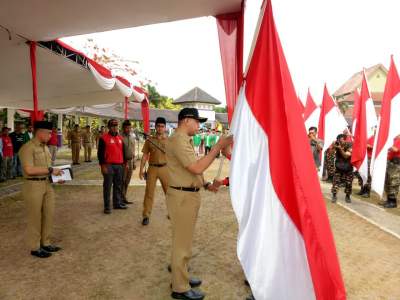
338, 169
10, 145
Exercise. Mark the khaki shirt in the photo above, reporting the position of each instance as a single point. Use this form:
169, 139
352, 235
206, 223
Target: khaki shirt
35, 154
181, 154
75, 136
87, 137
156, 156
129, 146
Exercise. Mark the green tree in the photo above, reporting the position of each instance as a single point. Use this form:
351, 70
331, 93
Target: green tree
220, 109
159, 101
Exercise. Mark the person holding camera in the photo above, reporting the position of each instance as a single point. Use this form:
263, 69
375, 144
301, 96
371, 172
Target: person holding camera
316, 146
343, 168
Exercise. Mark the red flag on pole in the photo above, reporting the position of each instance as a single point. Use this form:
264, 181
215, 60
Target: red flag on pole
285, 243
359, 157
389, 128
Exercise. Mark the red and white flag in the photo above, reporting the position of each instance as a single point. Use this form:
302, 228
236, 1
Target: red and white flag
389, 128
285, 243
311, 112
366, 122
331, 123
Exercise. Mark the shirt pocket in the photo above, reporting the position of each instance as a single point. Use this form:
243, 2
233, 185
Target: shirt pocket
39, 158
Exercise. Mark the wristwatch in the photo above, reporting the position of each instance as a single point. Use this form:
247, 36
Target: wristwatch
50, 170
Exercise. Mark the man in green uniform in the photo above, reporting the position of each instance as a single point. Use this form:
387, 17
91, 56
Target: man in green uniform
196, 143
129, 158
183, 198
154, 152
37, 191
392, 179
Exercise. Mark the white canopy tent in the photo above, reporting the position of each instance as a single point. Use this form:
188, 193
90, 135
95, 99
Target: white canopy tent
62, 82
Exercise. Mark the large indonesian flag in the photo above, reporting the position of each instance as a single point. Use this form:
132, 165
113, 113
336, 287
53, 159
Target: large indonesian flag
285, 243
331, 123
389, 128
366, 122
311, 112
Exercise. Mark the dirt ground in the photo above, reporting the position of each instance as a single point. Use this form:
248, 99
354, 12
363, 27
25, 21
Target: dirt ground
115, 257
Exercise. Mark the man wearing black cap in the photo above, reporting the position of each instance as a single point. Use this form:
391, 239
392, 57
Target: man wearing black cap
154, 152
111, 160
37, 190
185, 178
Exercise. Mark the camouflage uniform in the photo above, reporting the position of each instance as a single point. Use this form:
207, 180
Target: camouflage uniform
330, 155
343, 177
392, 179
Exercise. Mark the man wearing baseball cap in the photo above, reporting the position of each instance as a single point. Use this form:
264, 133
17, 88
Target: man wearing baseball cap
111, 160
185, 178
37, 190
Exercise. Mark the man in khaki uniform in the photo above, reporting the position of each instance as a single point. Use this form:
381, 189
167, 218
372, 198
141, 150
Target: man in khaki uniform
183, 198
129, 157
75, 144
87, 143
37, 191
154, 152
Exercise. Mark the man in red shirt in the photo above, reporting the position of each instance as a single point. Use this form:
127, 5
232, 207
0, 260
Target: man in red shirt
8, 154
111, 159
52, 144
392, 180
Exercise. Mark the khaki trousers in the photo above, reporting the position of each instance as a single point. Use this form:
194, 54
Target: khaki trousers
153, 173
75, 147
87, 148
39, 201
127, 178
53, 152
183, 208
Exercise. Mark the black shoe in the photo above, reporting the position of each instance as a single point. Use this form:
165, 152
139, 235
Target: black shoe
121, 206
189, 295
107, 211
51, 248
347, 199
390, 205
145, 221
251, 297
361, 192
127, 202
334, 198
89, 161
41, 253
194, 282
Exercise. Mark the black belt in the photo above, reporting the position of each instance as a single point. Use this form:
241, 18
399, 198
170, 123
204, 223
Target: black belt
186, 189
37, 179
157, 165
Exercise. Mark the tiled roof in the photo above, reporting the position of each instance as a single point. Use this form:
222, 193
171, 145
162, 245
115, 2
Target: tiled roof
196, 95
355, 81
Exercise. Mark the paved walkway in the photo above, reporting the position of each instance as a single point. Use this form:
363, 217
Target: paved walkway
369, 212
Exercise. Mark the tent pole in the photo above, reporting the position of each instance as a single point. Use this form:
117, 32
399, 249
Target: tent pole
35, 116
126, 108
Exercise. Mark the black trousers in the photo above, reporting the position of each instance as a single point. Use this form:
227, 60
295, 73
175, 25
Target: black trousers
113, 179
